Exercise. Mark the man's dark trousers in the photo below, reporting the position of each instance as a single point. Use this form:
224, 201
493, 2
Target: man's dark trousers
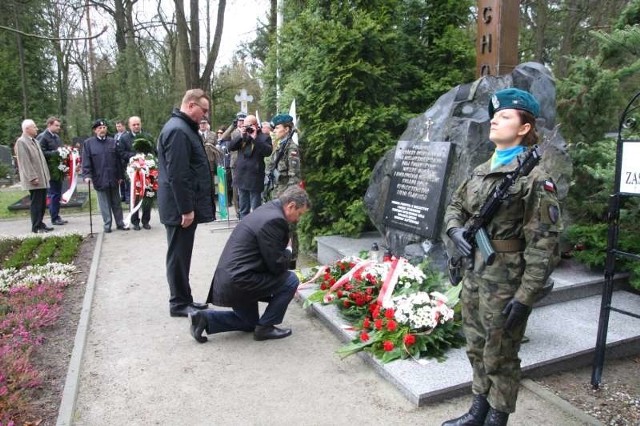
246, 317
55, 194
38, 198
180, 248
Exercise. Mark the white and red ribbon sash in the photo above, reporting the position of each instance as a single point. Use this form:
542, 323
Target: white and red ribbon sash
390, 281
73, 176
136, 177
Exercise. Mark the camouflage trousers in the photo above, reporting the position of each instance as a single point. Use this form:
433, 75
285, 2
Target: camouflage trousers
492, 351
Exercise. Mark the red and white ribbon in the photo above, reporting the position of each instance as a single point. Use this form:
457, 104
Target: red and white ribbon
72, 159
136, 176
390, 281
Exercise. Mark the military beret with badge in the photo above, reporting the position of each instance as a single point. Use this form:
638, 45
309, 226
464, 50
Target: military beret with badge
513, 98
281, 119
99, 122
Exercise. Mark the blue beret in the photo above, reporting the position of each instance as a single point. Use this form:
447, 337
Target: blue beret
99, 122
281, 119
513, 99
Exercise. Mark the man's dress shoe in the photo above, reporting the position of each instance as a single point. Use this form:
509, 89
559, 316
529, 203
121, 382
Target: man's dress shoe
122, 228
181, 311
60, 222
198, 326
146, 226
199, 305
46, 228
267, 332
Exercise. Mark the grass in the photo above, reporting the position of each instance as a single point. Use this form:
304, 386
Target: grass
10, 195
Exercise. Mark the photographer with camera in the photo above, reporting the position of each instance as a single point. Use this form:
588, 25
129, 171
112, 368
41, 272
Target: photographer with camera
252, 147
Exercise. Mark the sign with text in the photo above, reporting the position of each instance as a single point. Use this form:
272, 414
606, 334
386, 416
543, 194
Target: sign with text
630, 176
415, 190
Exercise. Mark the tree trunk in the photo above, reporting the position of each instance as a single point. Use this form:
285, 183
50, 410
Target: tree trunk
212, 56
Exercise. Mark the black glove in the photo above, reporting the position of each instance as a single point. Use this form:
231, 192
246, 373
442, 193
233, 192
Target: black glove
457, 236
234, 124
516, 314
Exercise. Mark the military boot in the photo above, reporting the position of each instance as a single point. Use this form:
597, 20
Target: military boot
496, 418
475, 416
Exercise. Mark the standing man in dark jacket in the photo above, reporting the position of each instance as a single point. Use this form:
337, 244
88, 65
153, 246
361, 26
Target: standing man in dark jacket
254, 267
252, 147
184, 194
49, 143
101, 166
127, 148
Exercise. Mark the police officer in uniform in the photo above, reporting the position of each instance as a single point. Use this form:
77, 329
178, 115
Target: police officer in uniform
284, 166
497, 299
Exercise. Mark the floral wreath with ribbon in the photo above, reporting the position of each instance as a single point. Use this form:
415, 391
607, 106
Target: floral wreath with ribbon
68, 166
142, 172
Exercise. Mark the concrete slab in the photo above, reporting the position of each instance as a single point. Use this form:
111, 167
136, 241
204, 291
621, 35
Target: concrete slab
562, 336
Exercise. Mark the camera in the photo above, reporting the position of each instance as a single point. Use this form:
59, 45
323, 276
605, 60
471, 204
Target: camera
249, 129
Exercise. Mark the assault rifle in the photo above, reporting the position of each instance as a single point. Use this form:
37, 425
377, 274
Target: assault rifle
270, 178
476, 234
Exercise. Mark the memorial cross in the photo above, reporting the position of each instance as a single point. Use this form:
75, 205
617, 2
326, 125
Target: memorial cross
497, 38
243, 99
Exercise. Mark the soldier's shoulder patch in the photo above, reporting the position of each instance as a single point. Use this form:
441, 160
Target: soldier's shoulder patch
549, 186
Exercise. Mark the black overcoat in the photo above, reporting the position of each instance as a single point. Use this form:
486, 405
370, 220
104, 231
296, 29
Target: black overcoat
249, 173
255, 260
184, 178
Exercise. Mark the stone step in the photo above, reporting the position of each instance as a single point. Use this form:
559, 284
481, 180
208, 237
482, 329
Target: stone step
562, 336
572, 280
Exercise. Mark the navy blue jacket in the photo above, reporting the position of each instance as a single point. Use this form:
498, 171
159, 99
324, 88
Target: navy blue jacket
101, 163
184, 176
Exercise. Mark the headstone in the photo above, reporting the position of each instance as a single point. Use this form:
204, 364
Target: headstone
415, 192
460, 118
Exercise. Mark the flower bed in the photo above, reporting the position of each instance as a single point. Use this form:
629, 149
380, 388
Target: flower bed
395, 309
30, 298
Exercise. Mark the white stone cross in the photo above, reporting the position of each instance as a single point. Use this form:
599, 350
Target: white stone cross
243, 99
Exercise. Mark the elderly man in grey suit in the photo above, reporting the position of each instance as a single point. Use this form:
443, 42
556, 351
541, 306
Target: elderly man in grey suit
34, 174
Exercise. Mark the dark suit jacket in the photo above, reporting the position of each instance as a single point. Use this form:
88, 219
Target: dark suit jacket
184, 176
255, 260
249, 164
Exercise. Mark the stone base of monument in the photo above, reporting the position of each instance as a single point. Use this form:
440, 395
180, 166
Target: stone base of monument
562, 330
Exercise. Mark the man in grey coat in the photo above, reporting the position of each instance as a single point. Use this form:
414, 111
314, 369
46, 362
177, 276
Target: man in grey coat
252, 268
184, 194
34, 174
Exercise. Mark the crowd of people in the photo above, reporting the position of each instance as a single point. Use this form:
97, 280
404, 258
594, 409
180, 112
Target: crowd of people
256, 262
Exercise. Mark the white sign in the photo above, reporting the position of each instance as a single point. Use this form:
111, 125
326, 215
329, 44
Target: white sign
630, 176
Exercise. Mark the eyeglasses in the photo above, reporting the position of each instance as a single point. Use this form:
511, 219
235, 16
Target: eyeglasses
205, 110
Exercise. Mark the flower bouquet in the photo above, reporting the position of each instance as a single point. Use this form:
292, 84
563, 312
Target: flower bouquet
143, 174
396, 309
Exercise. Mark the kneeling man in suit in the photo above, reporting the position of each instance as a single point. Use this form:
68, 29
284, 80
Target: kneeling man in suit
252, 268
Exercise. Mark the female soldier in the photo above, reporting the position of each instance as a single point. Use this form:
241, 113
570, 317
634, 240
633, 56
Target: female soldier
497, 298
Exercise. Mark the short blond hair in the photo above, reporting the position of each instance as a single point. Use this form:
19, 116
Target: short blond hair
194, 95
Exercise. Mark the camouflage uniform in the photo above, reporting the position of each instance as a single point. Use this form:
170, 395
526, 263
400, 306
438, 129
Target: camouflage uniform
287, 173
530, 220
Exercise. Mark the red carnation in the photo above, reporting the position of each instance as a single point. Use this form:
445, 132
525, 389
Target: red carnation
339, 293
392, 325
346, 303
366, 323
364, 336
409, 339
389, 313
378, 324
387, 345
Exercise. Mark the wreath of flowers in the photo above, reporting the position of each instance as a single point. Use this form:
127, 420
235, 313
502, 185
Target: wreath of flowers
416, 318
144, 169
62, 162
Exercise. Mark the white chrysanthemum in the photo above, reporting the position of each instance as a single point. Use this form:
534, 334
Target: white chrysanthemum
422, 310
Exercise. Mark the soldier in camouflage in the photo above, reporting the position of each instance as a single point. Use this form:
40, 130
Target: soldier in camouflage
284, 168
497, 299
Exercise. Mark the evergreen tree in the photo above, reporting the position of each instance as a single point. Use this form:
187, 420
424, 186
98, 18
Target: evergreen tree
358, 71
